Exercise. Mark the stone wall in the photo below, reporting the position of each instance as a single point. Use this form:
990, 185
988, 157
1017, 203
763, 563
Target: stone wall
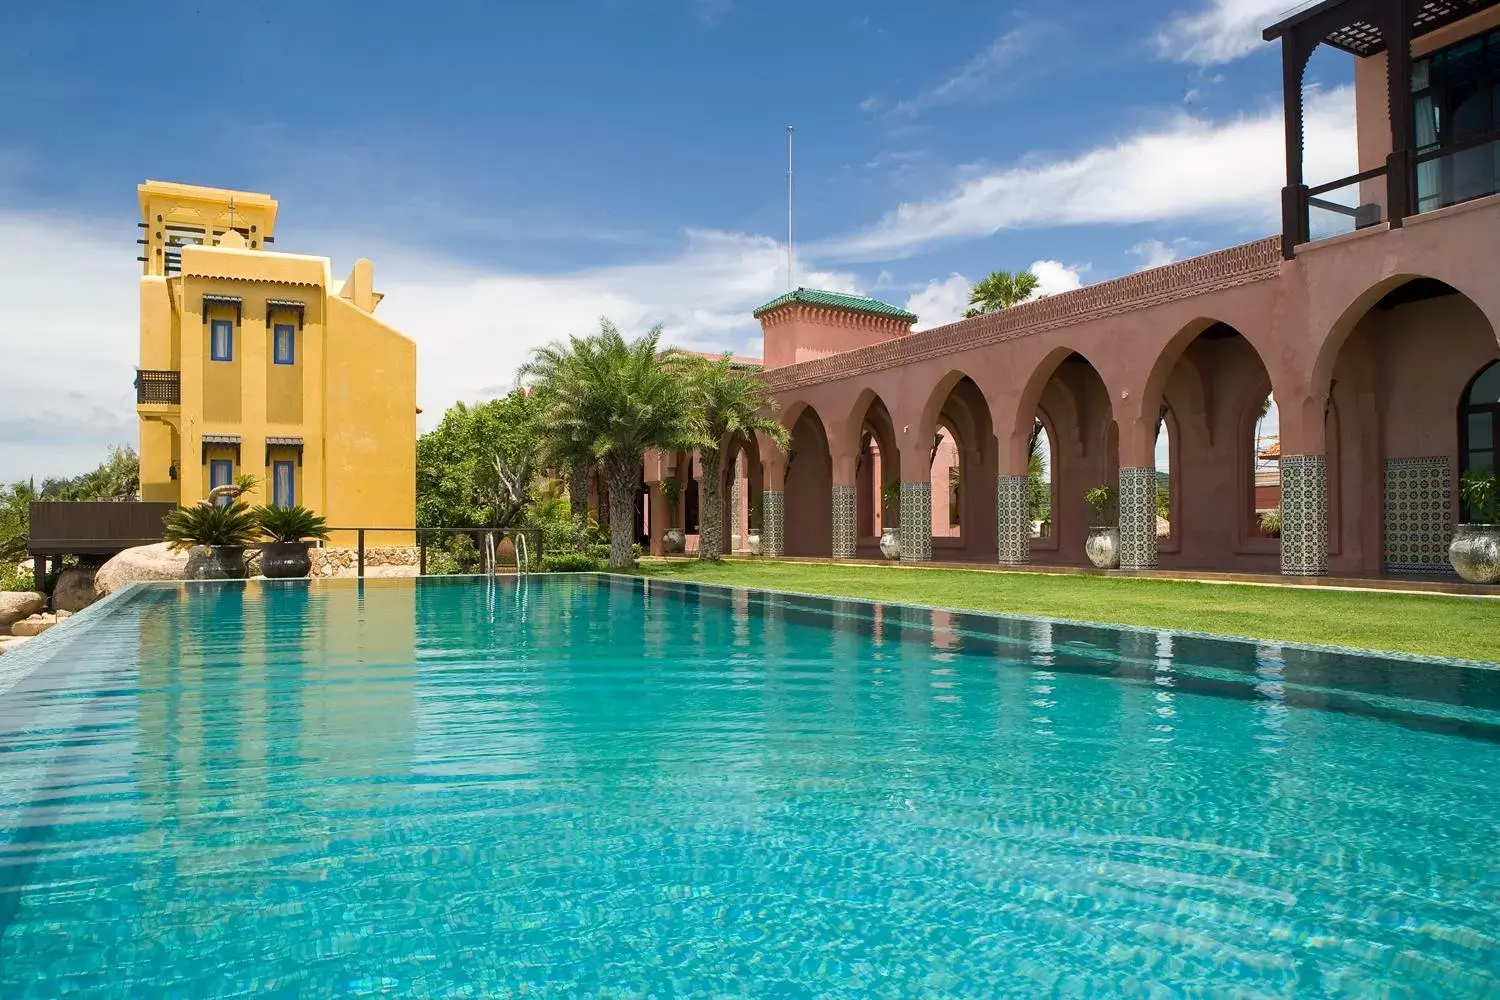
398, 560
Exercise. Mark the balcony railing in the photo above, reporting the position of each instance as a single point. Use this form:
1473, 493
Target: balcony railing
1425, 181
158, 387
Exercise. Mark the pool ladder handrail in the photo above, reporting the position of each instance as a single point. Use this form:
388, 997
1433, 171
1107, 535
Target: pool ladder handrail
523, 555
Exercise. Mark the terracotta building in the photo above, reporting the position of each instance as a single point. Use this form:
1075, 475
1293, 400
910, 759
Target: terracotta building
1371, 320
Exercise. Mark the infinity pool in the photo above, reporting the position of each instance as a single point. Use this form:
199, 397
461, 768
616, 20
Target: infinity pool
594, 786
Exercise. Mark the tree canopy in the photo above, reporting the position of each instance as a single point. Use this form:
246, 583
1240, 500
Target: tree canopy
1000, 290
477, 467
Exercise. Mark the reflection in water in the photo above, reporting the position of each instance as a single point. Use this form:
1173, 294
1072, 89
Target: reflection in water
553, 787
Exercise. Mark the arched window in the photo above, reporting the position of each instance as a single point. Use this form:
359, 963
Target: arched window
1479, 421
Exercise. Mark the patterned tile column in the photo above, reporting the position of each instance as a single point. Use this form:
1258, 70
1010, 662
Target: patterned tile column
1013, 520
773, 528
735, 499
843, 522
1137, 518
916, 522
1304, 515
1418, 515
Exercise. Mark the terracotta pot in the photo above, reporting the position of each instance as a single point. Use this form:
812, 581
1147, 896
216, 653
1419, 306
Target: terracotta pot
673, 541
1475, 552
890, 543
1103, 546
285, 560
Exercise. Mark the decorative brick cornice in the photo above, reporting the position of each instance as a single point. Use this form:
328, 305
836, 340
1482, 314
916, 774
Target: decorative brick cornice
1241, 265
826, 316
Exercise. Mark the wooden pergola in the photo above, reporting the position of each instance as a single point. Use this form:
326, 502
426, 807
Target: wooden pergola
1362, 28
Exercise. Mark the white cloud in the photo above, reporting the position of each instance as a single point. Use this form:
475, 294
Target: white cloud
68, 308
475, 328
1153, 253
1220, 32
942, 301
1054, 277
1189, 168
975, 77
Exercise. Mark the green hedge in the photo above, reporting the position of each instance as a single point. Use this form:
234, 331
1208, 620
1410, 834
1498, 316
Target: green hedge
569, 562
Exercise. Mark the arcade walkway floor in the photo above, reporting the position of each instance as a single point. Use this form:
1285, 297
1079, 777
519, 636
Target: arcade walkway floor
1464, 627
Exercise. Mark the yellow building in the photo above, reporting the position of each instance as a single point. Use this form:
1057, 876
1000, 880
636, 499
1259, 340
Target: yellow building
260, 362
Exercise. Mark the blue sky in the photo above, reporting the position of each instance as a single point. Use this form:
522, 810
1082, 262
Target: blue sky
517, 169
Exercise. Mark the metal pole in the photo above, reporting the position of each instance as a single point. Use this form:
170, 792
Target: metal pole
361, 553
791, 262
421, 554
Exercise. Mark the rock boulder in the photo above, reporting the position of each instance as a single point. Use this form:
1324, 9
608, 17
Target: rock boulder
75, 590
35, 625
147, 562
16, 605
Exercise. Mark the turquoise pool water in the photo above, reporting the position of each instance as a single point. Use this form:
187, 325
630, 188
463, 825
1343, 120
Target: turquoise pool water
574, 786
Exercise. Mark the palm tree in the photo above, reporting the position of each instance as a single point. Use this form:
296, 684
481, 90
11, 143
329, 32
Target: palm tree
1039, 494
724, 403
1000, 290
612, 399
572, 456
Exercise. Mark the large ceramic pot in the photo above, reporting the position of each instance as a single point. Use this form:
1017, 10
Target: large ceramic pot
1103, 546
285, 560
752, 542
673, 541
217, 562
890, 543
1475, 552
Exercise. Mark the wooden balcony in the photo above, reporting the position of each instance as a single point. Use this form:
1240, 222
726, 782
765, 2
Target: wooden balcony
158, 387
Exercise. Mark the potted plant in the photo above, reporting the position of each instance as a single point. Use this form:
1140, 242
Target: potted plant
290, 530
752, 533
673, 541
1475, 549
1103, 542
890, 535
223, 529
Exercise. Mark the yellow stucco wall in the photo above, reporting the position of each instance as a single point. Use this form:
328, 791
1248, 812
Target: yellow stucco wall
350, 395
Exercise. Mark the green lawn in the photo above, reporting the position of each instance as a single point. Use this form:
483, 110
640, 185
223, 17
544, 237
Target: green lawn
1433, 624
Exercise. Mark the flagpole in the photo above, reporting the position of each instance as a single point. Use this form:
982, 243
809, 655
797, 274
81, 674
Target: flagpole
790, 223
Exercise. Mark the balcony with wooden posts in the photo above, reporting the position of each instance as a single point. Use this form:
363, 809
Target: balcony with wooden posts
1434, 162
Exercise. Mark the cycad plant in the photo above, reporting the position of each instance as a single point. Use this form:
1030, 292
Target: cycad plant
291, 524
725, 403
614, 399
229, 524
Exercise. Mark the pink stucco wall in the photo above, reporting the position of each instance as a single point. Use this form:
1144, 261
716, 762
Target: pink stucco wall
1206, 339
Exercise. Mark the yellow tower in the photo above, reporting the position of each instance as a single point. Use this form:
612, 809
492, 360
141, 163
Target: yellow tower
260, 362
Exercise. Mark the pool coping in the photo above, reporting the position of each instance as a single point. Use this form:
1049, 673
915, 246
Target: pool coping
21, 662
1311, 647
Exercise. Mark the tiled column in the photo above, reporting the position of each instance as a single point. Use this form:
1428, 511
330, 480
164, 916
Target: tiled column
736, 498
1013, 520
773, 531
1304, 515
1137, 518
843, 522
916, 522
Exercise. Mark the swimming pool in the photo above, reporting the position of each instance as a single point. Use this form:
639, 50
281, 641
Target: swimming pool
597, 786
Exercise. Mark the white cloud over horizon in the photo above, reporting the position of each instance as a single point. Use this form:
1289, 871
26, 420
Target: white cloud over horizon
1189, 167
1220, 31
